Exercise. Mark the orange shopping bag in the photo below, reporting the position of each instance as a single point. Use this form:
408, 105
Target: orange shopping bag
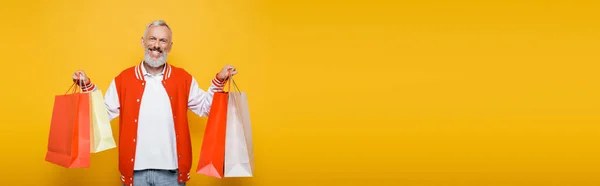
212, 154
69, 138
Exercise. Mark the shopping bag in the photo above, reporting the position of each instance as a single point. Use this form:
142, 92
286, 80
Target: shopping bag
239, 155
69, 136
101, 138
213, 144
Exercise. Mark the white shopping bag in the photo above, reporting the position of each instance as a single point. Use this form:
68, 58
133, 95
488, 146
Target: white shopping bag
239, 155
101, 136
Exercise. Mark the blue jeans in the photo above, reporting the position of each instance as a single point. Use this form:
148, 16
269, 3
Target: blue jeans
153, 177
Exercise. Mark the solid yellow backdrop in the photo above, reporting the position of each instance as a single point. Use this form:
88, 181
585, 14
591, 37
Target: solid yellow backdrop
340, 92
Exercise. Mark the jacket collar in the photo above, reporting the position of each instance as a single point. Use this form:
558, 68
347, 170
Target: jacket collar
140, 71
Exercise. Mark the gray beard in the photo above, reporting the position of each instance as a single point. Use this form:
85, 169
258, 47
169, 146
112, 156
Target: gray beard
155, 63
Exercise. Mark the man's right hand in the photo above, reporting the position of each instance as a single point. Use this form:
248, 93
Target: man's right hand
79, 76
83, 81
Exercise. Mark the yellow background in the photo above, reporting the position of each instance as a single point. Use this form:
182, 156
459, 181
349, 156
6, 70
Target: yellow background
340, 92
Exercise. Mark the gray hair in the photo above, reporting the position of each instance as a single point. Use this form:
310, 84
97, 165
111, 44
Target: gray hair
158, 23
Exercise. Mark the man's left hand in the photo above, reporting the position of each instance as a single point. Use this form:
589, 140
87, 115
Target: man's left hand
227, 70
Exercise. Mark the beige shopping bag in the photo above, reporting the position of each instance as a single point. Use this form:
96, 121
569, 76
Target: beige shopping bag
239, 155
101, 138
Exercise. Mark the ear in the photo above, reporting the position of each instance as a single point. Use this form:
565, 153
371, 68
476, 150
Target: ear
142, 42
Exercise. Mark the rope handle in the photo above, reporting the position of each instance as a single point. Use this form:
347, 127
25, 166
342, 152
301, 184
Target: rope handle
80, 85
230, 81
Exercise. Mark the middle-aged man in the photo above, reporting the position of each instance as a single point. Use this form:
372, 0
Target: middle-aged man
151, 100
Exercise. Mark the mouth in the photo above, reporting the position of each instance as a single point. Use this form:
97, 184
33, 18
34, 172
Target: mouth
155, 52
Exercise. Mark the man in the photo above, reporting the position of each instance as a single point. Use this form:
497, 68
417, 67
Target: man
151, 100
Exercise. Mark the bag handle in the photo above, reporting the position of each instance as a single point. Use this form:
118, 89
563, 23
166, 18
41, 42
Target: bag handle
230, 81
74, 83
235, 101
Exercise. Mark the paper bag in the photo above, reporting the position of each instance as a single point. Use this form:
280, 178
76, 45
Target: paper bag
213, 144
101, 131
69, 137
239, 155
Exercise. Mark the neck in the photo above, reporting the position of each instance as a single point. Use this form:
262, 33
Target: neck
153, 70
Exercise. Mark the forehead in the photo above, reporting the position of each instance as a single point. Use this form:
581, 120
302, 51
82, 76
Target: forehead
159, 32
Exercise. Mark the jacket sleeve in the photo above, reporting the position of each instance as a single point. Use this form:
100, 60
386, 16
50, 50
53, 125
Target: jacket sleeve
111, 100
199, 100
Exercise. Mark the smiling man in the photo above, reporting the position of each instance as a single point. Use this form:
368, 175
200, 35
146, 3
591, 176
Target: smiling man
152, 99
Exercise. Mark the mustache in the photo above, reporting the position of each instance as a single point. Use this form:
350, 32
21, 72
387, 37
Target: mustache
158, 49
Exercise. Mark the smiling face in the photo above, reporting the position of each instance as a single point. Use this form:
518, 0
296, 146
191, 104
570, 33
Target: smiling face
157, 44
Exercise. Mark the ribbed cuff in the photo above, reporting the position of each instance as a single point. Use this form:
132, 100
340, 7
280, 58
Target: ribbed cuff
89, 86
218, 82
